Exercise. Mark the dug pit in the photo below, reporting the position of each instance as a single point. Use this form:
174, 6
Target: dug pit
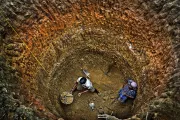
106, 77
113, 40
110, 62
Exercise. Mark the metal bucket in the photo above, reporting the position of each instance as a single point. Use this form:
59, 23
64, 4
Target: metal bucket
66, 98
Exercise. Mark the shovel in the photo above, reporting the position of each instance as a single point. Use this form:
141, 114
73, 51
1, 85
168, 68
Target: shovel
86, 72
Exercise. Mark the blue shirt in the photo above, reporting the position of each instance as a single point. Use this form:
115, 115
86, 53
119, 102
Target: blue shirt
128, 92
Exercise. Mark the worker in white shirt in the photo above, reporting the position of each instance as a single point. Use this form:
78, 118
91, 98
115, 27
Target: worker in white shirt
83, 84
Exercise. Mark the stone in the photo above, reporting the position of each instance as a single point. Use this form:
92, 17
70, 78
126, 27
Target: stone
164, 95
156, 94
60, 119
100, 111
105, 98
112, 97
4, 90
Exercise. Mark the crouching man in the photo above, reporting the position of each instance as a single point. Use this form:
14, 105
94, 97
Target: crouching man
128, 91
83, 84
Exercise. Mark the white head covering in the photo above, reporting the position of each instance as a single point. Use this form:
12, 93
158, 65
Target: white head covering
133, 84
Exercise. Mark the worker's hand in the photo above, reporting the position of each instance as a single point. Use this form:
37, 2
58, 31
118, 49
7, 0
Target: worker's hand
79, 94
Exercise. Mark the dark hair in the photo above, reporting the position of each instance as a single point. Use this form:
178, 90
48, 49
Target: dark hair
82, 80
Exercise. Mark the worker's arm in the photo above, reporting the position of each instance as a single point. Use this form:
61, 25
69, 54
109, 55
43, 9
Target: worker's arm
79, 94
74, 87
129, 94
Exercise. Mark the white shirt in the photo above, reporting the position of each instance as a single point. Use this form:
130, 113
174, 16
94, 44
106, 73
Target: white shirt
87, 85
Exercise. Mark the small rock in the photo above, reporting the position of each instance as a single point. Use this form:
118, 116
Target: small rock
100, 94
4, 90
134, 117
164, 95
112, 97
170, 93
60, 119
100, 111
105, 97
156, 94
94, 99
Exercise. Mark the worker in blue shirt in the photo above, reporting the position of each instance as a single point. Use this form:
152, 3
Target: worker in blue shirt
128, 91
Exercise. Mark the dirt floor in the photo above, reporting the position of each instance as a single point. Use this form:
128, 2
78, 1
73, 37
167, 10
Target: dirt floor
106, 78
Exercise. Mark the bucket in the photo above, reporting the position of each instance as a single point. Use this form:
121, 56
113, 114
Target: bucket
66, 98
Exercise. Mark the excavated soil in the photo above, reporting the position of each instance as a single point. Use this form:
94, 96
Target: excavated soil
44, 44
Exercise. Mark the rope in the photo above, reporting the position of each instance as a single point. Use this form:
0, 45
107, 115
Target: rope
22, 40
